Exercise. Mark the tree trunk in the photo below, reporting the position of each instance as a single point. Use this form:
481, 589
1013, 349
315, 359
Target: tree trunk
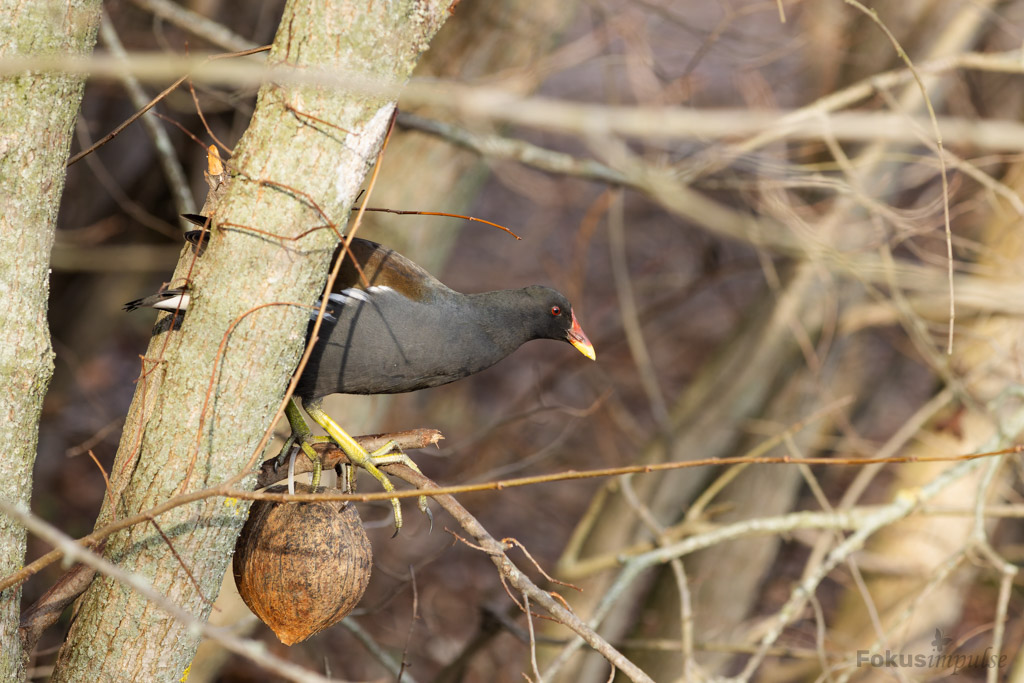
37, 115
201, 407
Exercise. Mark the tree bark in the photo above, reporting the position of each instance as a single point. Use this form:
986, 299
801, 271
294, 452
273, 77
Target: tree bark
201, 407
37, 115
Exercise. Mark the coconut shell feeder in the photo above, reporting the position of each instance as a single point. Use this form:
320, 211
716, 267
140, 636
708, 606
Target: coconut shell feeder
301, 567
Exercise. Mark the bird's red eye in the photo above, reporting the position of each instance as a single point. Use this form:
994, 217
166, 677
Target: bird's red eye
556, 311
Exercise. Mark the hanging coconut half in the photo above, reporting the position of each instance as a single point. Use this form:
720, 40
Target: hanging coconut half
301, 567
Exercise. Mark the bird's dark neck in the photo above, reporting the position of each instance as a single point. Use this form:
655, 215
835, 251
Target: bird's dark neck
504, 315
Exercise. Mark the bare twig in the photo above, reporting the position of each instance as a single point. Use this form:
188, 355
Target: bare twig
119, 69
658, 123
195, 23
332, 456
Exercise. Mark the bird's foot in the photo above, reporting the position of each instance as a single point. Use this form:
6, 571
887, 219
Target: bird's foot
359, 456
302, 438
391, 454
286, 451
298, 441
288, 454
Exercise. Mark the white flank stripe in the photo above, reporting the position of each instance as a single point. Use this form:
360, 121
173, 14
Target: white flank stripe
353, 293
348, 295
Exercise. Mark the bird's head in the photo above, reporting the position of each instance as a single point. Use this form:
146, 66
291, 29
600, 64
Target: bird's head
554, 319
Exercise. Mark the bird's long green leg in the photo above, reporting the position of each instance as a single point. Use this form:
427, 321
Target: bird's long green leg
304, 435
367, 460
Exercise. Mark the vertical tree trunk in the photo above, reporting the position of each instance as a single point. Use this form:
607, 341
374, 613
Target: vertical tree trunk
37, 113
199, 412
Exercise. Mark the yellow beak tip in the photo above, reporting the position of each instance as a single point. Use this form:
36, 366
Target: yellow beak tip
586, 349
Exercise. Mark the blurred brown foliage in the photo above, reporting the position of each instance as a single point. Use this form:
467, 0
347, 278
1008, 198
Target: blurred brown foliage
666, 294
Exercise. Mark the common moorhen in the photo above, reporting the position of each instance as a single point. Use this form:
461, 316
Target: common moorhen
391, 327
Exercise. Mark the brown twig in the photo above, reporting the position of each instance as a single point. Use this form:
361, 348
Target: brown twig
509, 542
472, 219
437, 492
45, 611
333, 456
127, 122
290, 107
181, 562
167, 91
412, 622
572, 475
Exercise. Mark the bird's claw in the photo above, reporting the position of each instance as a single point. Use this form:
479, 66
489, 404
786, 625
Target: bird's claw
289, 443
357, 455
391, 454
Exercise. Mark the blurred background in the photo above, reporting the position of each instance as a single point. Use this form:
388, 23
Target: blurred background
752, 284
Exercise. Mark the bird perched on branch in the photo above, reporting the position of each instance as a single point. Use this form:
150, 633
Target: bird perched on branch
391, 327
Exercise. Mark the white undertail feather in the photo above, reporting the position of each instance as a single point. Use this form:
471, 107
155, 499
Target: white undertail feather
178, 302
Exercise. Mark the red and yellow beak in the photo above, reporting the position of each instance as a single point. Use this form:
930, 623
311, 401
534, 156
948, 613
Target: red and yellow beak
579, 340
